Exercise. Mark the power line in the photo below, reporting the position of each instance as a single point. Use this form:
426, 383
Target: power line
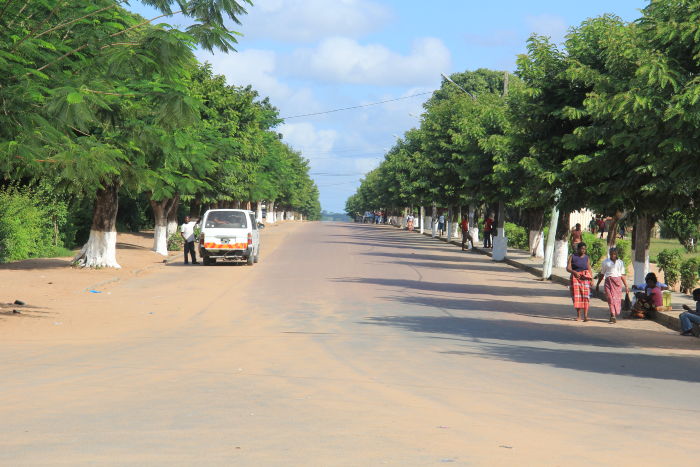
358, 106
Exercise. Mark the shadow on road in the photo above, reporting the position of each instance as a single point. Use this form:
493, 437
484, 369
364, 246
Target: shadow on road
583, 358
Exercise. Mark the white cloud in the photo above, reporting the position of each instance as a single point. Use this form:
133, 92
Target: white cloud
258, 68
307, 139
344, 60
548, 25
311, 20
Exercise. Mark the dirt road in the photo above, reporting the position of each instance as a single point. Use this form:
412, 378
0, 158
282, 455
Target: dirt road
346, 345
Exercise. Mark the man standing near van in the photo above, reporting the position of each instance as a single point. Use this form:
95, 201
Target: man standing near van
187, 232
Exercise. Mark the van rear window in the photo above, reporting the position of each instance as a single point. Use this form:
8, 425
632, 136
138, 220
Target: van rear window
226, 220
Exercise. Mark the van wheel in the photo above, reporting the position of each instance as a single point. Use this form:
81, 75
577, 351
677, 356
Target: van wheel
256, 259
208, 261
250, 260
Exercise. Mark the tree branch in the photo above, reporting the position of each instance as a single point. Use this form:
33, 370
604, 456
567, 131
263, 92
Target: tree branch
68, 23
4, 8
9, 25
78, 49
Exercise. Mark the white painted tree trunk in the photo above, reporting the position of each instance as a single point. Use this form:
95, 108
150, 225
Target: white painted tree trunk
641, 269
160, 238
473, 229
433, 222
271, 212
100, 251
172, 218
422, 220
537, 243
561, 254
500, 241
258, 212
500, 245
448, 221
640, 256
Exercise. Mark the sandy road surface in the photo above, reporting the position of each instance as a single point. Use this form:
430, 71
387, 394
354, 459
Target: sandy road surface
346, 345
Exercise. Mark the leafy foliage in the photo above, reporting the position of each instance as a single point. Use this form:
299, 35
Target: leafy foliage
669, 261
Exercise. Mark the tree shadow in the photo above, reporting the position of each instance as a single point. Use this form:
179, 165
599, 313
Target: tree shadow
37, 263
523, 337
418, 285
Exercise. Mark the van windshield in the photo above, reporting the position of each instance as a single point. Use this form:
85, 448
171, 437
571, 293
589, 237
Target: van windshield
226, 220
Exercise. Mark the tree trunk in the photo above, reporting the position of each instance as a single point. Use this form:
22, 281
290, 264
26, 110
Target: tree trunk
448, 221
612, 232
642, 239
421, 214
561, 246
271, 212
535, 222
161, 213
500, 241
100, 251
432, 221
172, 217
196, 207
473, 228
258, 211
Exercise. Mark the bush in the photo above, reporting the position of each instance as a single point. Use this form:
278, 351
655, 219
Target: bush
624, 250
175, 241
669, 261
690, 269
27, 229
518, 237
596, 248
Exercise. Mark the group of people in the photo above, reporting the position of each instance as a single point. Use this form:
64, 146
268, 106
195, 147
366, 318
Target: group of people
602, 225
648, 296
466, 236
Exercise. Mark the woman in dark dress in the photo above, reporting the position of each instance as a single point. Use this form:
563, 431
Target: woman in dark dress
579, 266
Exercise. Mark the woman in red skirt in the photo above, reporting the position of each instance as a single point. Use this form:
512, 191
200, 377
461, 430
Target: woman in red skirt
579, 266
614, 272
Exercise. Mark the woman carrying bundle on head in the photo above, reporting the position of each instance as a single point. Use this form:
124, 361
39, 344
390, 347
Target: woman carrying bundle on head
614, 272
579, 266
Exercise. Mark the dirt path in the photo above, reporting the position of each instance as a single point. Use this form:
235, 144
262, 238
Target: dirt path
347, 345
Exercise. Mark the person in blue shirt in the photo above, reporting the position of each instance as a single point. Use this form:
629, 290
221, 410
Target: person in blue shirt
689, 316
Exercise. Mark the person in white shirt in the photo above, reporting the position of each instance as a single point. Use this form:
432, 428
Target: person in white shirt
187, 233
614, 272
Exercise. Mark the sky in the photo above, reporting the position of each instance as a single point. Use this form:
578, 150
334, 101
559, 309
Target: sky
312, 56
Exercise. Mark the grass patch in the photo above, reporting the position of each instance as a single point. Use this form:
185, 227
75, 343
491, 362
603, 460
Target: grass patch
59, 252
658, 244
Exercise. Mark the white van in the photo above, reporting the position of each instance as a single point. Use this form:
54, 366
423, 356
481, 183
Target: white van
229, 235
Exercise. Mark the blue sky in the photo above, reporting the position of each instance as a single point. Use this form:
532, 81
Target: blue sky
316, 55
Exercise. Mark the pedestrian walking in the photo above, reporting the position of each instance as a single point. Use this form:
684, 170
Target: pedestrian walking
614, 273
579, 266
441, 224
592, 225
601, 226
187, 233
466, 236
409, 222
488, 231
576, 235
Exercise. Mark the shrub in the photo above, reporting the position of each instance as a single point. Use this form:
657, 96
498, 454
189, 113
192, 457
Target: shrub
690, 270
175, 241
26, 227
669, 261
596, 248
518, 237
624, 250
